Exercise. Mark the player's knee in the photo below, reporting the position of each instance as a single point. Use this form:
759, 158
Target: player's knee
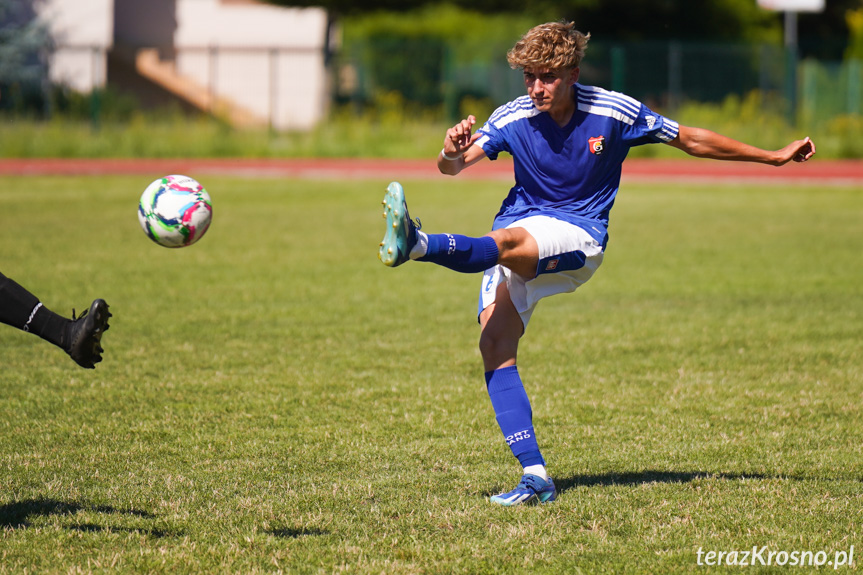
508, 240
517, 250
496, 348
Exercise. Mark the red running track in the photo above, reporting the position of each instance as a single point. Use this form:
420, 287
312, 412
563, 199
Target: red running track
814, 172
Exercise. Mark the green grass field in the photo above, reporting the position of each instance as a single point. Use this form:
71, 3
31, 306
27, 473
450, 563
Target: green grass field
274, 400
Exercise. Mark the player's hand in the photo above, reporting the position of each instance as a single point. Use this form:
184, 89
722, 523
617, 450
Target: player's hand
460, 137
798, 151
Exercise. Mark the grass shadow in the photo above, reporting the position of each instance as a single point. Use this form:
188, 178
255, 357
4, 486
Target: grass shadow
19, 515
93, 528
650, 476
289, 533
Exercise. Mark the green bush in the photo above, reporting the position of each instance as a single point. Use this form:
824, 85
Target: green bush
103, 104
392, 128
841, 138
422, 53
389, 127
756, 118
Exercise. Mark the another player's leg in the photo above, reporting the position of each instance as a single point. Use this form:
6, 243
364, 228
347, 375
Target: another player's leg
501, 330
403, 240
85, 334
80, 338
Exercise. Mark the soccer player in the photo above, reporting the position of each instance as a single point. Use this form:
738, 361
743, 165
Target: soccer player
568, 142
81, 338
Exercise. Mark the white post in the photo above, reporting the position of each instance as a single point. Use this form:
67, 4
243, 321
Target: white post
791, 29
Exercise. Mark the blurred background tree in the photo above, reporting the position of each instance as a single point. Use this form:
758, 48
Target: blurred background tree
822, 35
855, 32
23, 50
400, 65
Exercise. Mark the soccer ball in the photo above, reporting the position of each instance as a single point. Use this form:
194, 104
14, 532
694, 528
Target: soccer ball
175, 211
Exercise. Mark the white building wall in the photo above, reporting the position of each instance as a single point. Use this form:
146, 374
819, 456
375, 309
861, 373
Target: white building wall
83, 31
268, 59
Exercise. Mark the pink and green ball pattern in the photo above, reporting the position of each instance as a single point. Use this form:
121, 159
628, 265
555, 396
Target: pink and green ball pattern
175, 211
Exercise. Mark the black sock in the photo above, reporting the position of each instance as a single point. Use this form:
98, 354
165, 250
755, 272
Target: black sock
21, 309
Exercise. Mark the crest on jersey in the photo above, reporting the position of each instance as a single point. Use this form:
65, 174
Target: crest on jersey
596, 145
651, 121
552, 264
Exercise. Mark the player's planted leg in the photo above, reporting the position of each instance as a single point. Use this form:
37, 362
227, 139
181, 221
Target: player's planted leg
515, 417
531, 489
502, 328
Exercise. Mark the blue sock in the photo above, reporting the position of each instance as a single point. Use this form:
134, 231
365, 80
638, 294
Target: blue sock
514, 414
461, 253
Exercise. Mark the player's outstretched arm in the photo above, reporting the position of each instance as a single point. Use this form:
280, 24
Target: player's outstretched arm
706, 144
458, 150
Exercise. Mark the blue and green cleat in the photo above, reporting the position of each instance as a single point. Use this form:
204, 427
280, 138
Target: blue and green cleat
531, 489
401, 234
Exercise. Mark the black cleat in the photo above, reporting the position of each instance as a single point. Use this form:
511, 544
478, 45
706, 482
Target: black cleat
85, 334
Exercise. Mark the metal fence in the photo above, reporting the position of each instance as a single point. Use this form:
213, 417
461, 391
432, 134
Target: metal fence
663, 75
428, 74
830, 89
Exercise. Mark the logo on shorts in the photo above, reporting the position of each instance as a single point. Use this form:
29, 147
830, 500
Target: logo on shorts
596, 145
552, 264
490, 283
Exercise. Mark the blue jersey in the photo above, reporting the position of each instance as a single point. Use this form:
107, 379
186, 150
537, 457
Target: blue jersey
570, 173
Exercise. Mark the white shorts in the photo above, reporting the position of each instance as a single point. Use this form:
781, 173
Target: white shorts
568, 256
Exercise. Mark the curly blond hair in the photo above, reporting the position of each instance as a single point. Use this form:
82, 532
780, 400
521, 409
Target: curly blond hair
555, 46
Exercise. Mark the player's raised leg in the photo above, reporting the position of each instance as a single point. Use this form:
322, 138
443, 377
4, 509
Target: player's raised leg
403, 240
